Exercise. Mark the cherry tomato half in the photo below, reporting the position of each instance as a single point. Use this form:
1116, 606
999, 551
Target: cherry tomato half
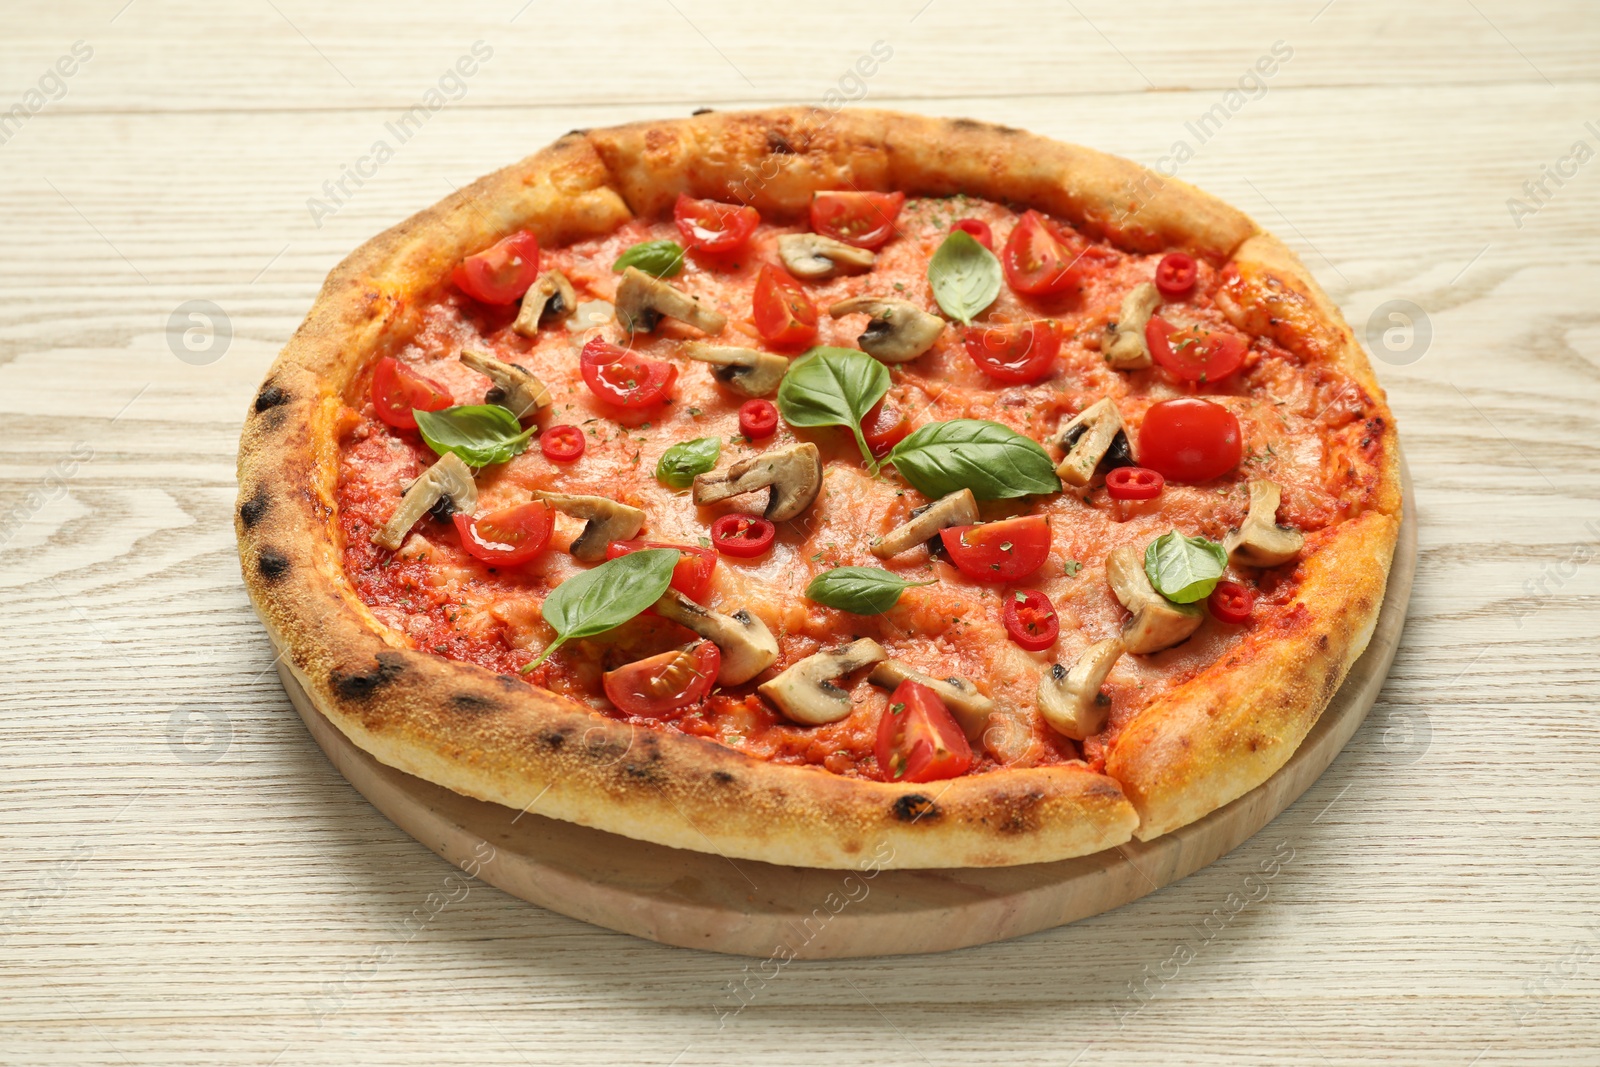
784, 315
562, 444
1189, 440
1035, 259
1018, 352
918, 739
691, 576
978, 229
1031, 619
865, 220
1003, 551
1134, 483
666, 682
1231, 602
506, 537
1194, 353
625, 378
501, 273
712, 226
1175, 275
758, 419
742, 536
884, 427
397, 389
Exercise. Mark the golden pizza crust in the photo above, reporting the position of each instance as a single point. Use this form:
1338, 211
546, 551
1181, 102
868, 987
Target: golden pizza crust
499, 739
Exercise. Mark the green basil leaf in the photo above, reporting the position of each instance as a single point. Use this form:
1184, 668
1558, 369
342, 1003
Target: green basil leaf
1184, 569
606, 596
860, 590
481, 434
994, 461
680, 463
661, 258
965, 276
833, 387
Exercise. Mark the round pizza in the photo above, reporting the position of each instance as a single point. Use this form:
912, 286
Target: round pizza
823, 488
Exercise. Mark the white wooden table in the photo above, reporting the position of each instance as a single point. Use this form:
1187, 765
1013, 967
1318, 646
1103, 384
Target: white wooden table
184, 877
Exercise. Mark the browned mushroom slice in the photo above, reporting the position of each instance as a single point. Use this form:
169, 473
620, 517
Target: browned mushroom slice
449, 480
1093, 439
747, 646
552, 294
606, 521
806, 693
812, 256
897, 330
1261, 542
1069, 700
794, 474
1127, 349
514, 388
745, 370
1157, 622
643, 299
959, 508
970, 708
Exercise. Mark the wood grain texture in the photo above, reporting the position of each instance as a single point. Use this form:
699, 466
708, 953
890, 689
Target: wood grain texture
187, 880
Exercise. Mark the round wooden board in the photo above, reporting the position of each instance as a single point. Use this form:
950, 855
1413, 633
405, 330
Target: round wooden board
702, 900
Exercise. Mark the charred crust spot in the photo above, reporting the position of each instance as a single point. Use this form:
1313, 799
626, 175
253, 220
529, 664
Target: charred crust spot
701, 111
272, 564
966, 124
270, 397
778, 145
252, 510
472, 704
1322, 642
1018, 813
582, 131
914, 807
553, 739
359, 686
722, 777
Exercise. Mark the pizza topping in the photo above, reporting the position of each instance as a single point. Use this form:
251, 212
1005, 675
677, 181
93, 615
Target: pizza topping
562, 444
481, 434
964, 276
605, 597
1070, 701
552, 294
1128, 348
447, 480
678, 465
813, 257
865, 220
1157, 622
978, 229
1134, 483
960, 697
742, 536
1195, 353
397, 391
501, 273
834, 387
805, 691
1176, 275
506, 537
897, 330
1189, 440
1030, 619
783, 314
959, 508
744, 370
1261, 542
1231, 602
1004, 551
663, 683
642, 300
605, 521
1094, 440
794, 473
918, 740
514, 389
1036, 262
712, 226
859, 590
994, 461
1017, 352
1184, 569
692, 575
758, 419
884, 427
623, 377
660, 259
748, 647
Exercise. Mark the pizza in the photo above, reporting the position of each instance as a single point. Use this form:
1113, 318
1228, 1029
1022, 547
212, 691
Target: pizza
814, 487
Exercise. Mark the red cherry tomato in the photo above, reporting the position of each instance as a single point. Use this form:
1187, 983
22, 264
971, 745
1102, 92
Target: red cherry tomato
1017, 352
1035, 259
397, 389
1231, 602
501, 273
562, 444
1134, 483
1004, 551
625, 378
1175, 275
711, 226
884, 427
784, 315
1194, 353
1031, 619
758, 419
1189, 440
978, 229
742, 536
918, 739
865, 220
666, 682
506, 537
691, 576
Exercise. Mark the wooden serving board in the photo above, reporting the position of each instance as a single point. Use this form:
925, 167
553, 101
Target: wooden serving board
702, 900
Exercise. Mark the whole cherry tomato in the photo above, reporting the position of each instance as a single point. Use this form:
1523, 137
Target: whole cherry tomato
1189, 440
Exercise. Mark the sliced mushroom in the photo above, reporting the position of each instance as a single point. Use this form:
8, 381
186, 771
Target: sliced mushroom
552, 294
806, 692
898, 330
1157, 622
1095, 439
606, 521
514, 388
1127, 349
812, 256
1070, 700
793, 472
1261, 542
744, 370
448, 481
970, 707
748, 647
643, 299
955, 509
